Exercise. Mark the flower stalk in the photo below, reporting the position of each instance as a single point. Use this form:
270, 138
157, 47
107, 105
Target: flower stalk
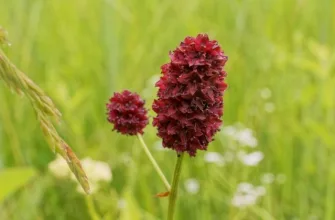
154, 163
174, 189
91, 208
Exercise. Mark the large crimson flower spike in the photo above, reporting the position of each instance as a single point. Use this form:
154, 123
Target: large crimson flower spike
190, 96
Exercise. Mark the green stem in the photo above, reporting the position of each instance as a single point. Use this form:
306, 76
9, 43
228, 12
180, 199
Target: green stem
154, 163
91, 209
174, 190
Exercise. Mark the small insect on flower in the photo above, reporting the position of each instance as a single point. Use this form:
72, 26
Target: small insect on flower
126, 112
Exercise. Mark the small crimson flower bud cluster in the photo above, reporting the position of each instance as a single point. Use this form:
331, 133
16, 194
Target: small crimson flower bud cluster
127, 113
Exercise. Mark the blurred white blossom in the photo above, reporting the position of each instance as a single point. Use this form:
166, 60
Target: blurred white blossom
260, 190
230, 131
243, 200
267, 178
192, 186
265, 93
246, 138
247, 194
96, 171
59, 167
269, 107
244, 187
126, 158
214, 157
251, 159
121, 203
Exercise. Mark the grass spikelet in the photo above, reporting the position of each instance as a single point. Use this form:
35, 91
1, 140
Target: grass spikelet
44, 108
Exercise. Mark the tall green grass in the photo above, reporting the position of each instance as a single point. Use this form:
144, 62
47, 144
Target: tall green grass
81, 51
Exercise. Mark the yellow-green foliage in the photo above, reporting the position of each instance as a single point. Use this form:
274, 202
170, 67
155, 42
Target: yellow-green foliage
81, 51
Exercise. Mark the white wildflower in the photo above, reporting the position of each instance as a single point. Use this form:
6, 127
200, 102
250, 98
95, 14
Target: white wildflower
243, 136
251, 159
269, 107
267, 178
230, 131
243, 200
192, 186
214, 157
246, 195
121, 203
59, 167
96, 170
260, 190
265, 93
246, 138
126, 158
245, 187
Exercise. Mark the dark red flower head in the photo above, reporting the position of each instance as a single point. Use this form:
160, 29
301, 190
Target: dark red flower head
190, 95
127, 113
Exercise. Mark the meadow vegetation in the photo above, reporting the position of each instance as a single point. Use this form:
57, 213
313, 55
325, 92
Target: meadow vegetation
273, 159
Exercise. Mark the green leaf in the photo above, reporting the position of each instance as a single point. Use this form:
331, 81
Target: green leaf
12, 179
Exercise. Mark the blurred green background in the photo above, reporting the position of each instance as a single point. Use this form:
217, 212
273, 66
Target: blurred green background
281, 86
